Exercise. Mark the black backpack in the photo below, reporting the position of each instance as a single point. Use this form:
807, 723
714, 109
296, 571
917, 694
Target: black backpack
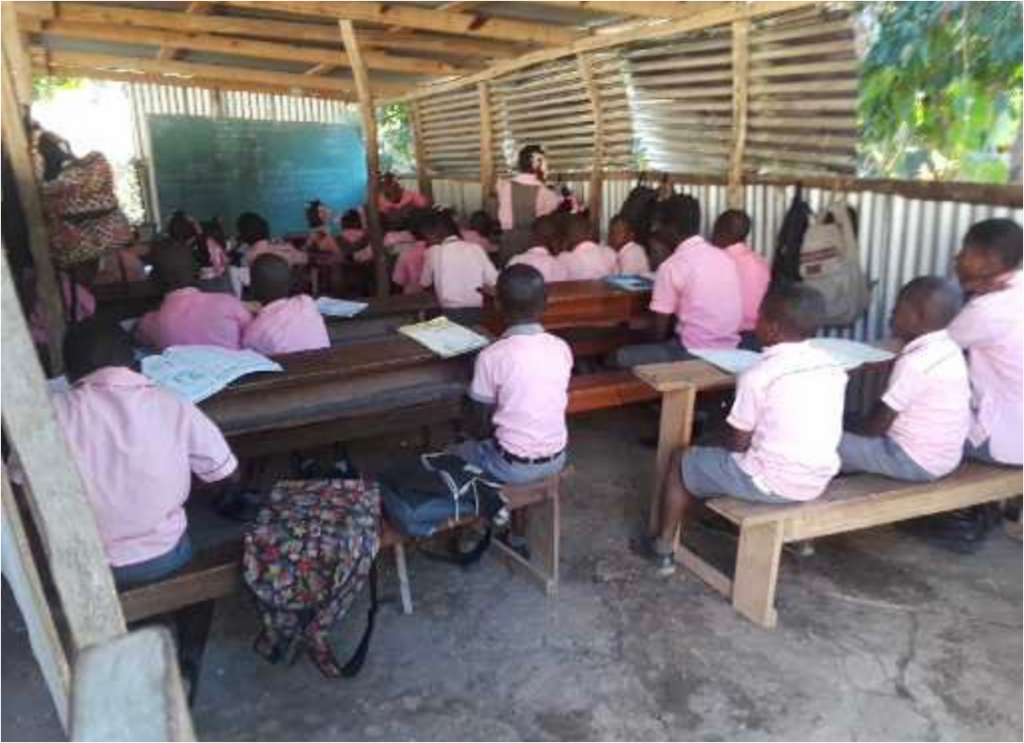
786, 262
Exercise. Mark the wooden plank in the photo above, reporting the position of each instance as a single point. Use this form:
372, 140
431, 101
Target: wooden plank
675, 430
586, 70
487, 173
426, 19
369, 116
194, 8
423, 181
711, 575
740, 103
607, 390
757, 572
129, 688
15, 49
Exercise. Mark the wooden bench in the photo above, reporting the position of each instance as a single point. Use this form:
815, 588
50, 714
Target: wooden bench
605, 390
851, 502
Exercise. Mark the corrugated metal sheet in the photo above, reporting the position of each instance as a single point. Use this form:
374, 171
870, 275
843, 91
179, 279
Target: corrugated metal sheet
184, 101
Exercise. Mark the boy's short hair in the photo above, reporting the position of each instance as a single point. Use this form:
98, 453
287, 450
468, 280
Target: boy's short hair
429, 222
623, 219
351, 220
521, 291
174, 264
271, 278
936, 299
679, 214
998, 238
93, 344
252, 228
546, 230
576, 228
313, 218
796, 307
180, 227
732, 226
526, 156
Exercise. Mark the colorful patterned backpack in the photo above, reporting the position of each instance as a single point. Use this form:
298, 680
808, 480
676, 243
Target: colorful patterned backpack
307, 556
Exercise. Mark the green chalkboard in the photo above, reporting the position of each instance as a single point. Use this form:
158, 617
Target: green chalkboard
225, 167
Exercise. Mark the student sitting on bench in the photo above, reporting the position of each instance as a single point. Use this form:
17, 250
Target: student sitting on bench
631, 256
137, 446
320, 239
455, 268
254, 241
188, 316
520, 389
785, 424
698, 284
547, 243
730, 233
990, 329
917, 430
584, 259
284, 324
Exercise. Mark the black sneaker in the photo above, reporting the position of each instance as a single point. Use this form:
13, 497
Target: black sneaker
664, 562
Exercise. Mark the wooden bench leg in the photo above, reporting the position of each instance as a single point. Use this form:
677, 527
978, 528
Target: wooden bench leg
402, 569
757, 568
675, 430
193, 629
543, 533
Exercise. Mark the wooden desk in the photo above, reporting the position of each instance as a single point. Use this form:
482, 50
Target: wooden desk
341, 394
578, 304
122, 300
383, 317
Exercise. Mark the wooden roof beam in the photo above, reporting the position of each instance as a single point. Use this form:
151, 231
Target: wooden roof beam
670, 10
194, 8
98, 62
112, 15
407, 15
239, 47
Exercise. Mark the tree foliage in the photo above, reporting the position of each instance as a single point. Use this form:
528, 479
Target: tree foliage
941, 89
45, 88
395, 132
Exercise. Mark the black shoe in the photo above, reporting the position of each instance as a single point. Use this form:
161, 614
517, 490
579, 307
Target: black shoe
664, 562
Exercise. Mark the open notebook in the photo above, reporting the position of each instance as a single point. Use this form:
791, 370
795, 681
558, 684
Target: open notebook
847, 354
444, 337
197, 372
332, 307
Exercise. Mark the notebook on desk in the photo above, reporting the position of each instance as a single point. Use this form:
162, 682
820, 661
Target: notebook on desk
444, 337
197, 372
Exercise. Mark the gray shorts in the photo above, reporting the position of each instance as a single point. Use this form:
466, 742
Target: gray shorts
881, 456
710, 472
980, 453
486, 455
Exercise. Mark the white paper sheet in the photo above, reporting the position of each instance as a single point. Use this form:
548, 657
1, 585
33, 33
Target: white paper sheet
443, 337
734, 360
630, 282
851, 354
339, 307
197, 372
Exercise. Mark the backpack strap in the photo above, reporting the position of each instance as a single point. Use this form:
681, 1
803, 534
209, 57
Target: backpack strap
355, 664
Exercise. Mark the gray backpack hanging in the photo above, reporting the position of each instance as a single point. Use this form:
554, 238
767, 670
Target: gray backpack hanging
830, 263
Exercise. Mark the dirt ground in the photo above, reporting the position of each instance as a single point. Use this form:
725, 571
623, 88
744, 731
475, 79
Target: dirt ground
880, 636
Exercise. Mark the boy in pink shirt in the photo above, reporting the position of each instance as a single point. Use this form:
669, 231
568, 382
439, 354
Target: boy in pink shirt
632, 256
991, 330
546, 245
730, 233
137, 446
917, 430
187, 316
584, 259
254, 237
455, 268
784, 426
520, 389
697, 285
284, 324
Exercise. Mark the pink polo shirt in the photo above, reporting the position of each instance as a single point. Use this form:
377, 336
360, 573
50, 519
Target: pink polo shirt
990, 329
409, 268
457, 269
137, 446
588, 261
539, 257
287, 326
632, 259
931, 394
85, 306
698, 284
525, 375
352, 236
408, 199
755, 274
398, 237
547, 201
289, 252
189, 317
792, 400
472, 236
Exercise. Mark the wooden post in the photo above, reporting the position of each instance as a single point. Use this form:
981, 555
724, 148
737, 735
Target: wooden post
597, 113
369, 115
487, 175
740, 77
423, 182
16, 51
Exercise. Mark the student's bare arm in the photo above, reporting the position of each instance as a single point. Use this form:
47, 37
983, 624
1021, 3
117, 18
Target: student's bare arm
477, 419
662, 327
877, 422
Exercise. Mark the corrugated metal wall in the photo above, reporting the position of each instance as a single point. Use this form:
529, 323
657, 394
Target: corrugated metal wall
184, 101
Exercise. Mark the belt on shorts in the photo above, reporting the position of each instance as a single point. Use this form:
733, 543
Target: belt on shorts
516, 459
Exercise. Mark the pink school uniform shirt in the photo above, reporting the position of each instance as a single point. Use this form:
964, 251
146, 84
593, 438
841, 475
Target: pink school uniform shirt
632, 259
409, 199
290, 253
352, 235
547, 201
472, 236
754, 274
931, 394
990, 329
457, 269
792, 400
137, 446
698, 284
218, 260
84, 302
409, 268
589, 261
525, 375
189, 317
539, 257
287, 326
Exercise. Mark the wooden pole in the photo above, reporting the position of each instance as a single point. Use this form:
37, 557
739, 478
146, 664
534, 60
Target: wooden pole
423, 182
487, 175
740, 99
369, 115
16, 51
19, 150
594, 201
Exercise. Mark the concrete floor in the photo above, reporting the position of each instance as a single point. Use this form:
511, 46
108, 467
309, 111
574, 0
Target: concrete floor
880, 636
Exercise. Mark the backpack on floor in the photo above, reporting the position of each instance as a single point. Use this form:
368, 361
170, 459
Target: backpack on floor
423, 496
307, 556
830, 263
